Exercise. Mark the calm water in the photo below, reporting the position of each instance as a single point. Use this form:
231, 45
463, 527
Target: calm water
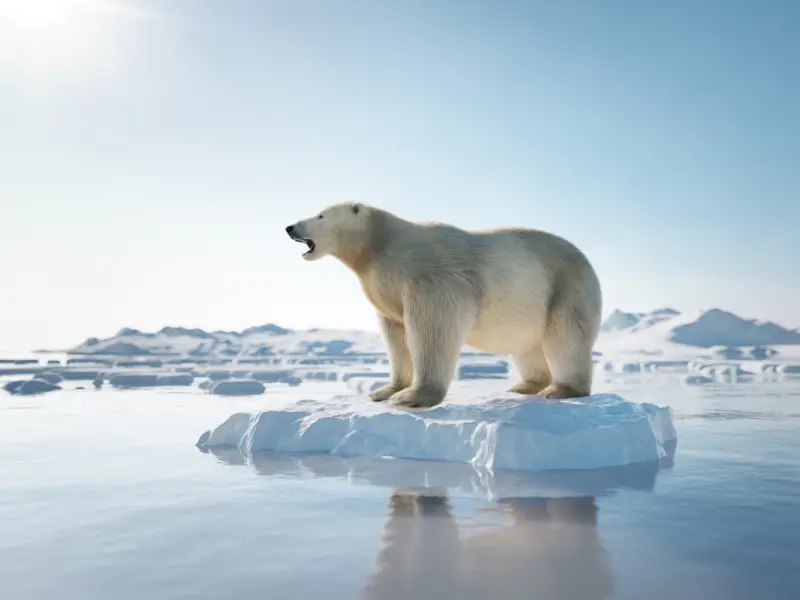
104, 495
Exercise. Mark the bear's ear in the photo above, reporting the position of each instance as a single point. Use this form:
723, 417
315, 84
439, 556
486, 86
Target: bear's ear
356, 208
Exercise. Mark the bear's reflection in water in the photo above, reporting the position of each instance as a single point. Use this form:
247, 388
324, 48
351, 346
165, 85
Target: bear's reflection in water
548, 549
534, 544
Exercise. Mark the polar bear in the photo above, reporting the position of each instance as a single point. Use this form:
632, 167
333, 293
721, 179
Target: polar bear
514, 291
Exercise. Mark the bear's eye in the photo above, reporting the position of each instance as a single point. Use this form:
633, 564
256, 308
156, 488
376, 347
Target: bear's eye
319, 217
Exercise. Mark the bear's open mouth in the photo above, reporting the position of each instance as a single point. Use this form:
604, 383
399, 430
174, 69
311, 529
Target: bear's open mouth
308, 242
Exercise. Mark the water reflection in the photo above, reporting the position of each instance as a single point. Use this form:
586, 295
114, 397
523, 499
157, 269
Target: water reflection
537, 537
548, 549
452, 476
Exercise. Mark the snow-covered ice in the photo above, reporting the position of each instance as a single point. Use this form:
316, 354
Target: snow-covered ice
364, 385
504, 431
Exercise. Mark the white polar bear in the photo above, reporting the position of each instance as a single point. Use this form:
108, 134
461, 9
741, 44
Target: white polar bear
516, 291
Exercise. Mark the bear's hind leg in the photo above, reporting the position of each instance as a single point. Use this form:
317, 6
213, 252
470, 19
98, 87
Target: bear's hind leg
532, 367
436, 328
399, 360
567, 347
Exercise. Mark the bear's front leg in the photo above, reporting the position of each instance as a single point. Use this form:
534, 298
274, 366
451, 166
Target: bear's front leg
394, 334
436, 325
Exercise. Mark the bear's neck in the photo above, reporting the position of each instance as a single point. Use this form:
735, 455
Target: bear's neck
356, 260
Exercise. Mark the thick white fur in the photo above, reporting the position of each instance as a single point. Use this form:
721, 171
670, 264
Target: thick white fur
522, 292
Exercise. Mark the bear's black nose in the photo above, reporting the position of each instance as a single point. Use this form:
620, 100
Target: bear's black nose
290, 229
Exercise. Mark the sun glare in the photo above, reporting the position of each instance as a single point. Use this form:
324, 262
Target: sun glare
47, 35
34, 15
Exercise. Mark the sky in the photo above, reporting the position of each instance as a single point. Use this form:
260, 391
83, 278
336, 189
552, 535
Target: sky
152, 153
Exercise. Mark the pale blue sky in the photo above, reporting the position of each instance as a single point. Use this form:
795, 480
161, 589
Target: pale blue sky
152, 152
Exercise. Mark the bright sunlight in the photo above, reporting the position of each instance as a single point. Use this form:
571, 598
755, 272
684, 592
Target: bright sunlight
35, 16
51, 34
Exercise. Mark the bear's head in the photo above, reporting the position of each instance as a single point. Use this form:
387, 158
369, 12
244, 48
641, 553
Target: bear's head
338, 229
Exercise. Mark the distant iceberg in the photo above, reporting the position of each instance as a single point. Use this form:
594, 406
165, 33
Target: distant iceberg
504, 431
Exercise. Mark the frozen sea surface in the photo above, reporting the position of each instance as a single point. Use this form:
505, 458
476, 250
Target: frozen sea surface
104, 495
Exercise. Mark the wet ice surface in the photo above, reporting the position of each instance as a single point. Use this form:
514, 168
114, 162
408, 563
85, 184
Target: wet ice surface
105, 496
494, 431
